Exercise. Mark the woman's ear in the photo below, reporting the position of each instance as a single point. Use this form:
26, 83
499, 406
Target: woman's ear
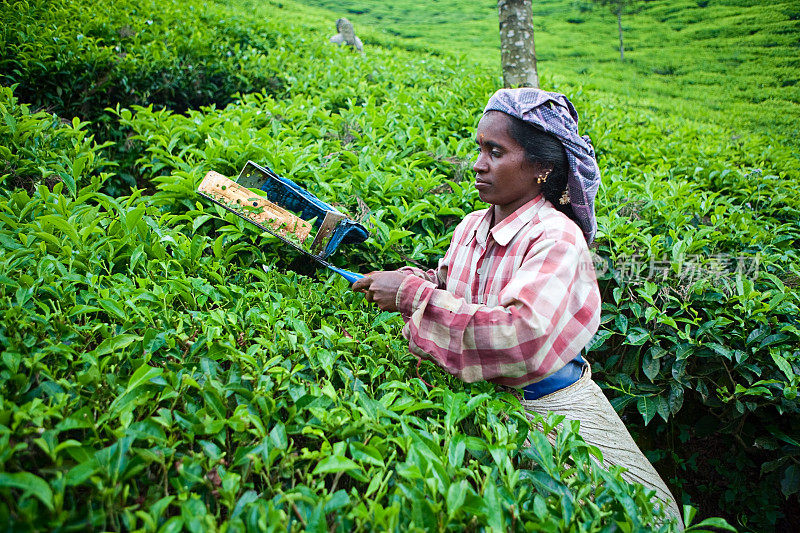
543, 168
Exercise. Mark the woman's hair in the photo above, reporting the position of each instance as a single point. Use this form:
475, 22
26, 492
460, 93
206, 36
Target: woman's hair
544, 148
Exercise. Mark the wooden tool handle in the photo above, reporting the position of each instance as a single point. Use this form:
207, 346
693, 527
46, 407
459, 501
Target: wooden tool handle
253, 207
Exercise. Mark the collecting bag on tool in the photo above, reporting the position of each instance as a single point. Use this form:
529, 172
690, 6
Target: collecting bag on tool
336, 227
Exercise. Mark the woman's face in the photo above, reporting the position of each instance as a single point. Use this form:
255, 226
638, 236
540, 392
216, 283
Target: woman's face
503, 175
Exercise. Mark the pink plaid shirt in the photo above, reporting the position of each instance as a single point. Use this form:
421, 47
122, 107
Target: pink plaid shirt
510, 304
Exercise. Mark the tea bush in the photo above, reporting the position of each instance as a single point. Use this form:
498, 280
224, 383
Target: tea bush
154, 337
706, 334
157, 378
39, 147
165, 54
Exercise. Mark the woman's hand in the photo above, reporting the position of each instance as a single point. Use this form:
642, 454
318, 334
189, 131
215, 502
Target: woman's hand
381, 288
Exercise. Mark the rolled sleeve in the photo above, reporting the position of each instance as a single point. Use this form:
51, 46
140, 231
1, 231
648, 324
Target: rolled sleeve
408, 293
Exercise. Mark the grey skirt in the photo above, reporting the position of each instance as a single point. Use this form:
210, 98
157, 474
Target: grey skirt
601, 426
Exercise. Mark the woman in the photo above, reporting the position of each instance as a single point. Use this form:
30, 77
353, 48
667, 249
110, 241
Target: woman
515, 298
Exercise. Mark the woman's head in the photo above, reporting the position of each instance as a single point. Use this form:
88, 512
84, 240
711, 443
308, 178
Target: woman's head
552, 113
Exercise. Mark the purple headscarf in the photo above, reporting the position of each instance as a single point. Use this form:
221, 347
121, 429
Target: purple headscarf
555, 114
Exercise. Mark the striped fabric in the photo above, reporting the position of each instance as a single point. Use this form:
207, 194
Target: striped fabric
509, 304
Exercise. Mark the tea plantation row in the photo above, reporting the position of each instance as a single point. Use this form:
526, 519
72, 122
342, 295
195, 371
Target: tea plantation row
151, 337
729, 62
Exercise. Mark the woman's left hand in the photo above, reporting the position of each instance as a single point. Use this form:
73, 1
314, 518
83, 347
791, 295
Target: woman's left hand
381, 288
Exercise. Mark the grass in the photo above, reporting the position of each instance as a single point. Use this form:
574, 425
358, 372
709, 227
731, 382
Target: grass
732, 62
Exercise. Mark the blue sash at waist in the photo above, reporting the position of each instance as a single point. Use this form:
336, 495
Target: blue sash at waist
566, 376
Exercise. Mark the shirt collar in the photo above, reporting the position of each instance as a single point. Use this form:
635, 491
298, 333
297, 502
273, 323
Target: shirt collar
503, 232
482, 229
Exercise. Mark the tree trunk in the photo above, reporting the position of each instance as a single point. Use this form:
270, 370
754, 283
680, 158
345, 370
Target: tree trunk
619, 26
517, 51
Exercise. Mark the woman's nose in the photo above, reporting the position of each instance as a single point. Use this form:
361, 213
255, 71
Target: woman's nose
480, 164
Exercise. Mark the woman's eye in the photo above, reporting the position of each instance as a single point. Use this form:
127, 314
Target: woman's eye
496, 153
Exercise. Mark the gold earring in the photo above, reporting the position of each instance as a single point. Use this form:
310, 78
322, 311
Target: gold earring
542, 178
564, 200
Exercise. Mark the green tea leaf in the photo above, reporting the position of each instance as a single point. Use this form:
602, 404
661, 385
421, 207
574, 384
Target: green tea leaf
790, 482
366, 454
115, 344
278, 436
650, 365
782, 364
648, 407
29, 484
334, 463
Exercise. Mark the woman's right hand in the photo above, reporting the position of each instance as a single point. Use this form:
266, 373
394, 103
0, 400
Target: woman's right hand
381, 288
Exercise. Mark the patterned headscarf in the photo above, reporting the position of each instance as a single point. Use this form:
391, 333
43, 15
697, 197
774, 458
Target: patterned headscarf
555, 114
